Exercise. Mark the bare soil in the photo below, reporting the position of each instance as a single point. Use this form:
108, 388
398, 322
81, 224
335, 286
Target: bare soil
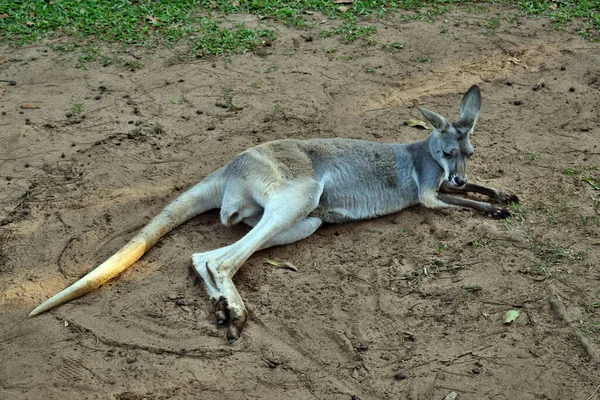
421, 293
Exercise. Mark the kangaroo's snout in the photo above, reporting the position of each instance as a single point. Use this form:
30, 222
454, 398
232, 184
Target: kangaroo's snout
458, 180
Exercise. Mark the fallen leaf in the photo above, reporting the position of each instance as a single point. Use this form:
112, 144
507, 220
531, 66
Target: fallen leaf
3, 16
284, 264
510, 316
417, 123
82, 11
342, 8
151, 19
451, 396
66, 323
273, 262
29, 106
344, 1
291, 266
29, 23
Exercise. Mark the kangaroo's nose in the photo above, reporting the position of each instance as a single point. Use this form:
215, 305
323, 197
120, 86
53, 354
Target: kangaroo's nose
460, 181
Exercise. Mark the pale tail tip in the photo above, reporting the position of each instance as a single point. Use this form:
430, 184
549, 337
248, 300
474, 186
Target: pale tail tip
37, 311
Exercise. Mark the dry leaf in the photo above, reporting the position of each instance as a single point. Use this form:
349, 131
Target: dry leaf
343, 1
417, 123
1, 61
82, 11
29, 106
151, 19
1, 91
451, 396
291, 266
29, 23
285, 264
342, 8
3, 16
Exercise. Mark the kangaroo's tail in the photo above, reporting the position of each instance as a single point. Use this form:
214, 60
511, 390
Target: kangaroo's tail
202, 197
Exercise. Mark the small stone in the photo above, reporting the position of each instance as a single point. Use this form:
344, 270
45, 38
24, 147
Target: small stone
571, 89
362, 347
68, 115
476, 371
400, 376
563, 68
210, 128
98, 97
517, 102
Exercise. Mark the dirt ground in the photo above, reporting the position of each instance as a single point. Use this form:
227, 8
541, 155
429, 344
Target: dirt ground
109, 147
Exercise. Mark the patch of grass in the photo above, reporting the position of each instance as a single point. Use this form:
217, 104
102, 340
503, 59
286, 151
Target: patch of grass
547, 257
439, 247
77, 109
421, 59
199, 22
517, 212
350, 32
393, 47
585, 12
493, 23
532, 155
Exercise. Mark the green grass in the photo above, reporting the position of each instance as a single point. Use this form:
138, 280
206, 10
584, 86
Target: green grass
587, 12
200, 22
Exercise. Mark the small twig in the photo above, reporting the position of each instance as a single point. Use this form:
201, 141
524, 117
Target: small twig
592, 395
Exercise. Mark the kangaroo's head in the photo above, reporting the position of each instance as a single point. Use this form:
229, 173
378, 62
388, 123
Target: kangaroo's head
449, 144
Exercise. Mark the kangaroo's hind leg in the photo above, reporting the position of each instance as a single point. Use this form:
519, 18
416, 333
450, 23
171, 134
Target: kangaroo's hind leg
284, 220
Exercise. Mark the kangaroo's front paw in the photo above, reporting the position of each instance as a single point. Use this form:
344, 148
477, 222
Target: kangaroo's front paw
500, 213
505, 198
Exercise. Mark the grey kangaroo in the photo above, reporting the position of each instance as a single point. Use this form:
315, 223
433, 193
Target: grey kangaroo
286, 189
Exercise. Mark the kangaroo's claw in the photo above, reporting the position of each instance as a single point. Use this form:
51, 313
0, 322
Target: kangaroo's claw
237, 319
236, 326
221, 311
505, 198
500, 213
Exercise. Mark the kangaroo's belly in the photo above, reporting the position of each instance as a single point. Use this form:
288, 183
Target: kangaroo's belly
350, 199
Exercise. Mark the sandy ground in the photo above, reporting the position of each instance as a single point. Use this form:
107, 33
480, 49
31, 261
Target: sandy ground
360, 309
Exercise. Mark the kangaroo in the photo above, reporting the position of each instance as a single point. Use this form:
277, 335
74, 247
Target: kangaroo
286, 189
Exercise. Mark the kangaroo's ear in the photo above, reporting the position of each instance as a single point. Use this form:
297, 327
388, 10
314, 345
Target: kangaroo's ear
470, 105
435, 120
